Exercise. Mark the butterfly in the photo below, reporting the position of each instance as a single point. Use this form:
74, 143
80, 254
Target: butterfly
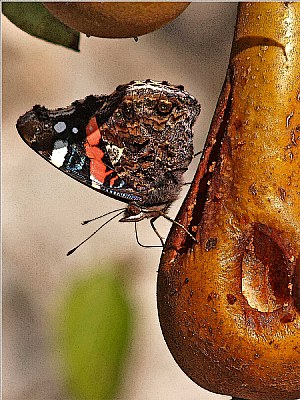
132, 145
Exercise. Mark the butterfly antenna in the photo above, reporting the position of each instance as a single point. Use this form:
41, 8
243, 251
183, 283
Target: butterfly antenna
103, 215
139, 243
180, 225
100, 227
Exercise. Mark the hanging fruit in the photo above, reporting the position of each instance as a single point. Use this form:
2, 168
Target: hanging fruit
229, 307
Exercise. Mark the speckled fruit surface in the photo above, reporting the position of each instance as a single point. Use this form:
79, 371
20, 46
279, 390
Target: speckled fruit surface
229, 306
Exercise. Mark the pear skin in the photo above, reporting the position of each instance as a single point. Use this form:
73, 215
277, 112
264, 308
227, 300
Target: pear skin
229, 306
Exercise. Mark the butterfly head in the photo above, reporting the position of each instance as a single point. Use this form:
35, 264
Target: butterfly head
136, 212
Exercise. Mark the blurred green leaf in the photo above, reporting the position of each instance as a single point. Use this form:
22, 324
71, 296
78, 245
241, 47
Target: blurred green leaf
36, 20
95, 331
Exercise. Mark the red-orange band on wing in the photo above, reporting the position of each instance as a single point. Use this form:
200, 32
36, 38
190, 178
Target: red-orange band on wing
97, 167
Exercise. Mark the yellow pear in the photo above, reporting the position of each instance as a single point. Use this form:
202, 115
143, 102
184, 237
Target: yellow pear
229, 305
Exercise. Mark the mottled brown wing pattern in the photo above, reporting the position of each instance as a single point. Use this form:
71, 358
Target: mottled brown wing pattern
133, 145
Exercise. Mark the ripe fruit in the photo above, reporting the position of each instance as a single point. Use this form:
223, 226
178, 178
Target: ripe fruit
116, 19
229, 307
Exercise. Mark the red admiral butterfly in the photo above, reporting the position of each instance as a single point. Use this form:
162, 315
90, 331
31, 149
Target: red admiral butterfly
133, 145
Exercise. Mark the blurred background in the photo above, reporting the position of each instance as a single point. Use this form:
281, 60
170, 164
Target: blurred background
66, 319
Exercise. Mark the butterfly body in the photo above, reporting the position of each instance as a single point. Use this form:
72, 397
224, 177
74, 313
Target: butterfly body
133, 145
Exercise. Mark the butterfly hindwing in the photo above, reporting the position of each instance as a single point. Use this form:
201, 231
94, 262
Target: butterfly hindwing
133, 145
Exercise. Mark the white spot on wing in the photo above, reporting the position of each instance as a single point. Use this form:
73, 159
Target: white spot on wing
74, 130
59, 152
114, 152
59, 127
95, 183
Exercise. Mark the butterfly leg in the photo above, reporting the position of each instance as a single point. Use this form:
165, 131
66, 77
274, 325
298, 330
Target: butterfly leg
152, 220
180, 225
195, 155
138, 240
198, 153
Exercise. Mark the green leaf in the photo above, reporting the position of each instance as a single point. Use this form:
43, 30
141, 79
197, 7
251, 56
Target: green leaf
36, 20
94, 332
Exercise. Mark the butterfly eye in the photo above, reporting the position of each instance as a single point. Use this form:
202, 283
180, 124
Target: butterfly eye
127, 108
164, 107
